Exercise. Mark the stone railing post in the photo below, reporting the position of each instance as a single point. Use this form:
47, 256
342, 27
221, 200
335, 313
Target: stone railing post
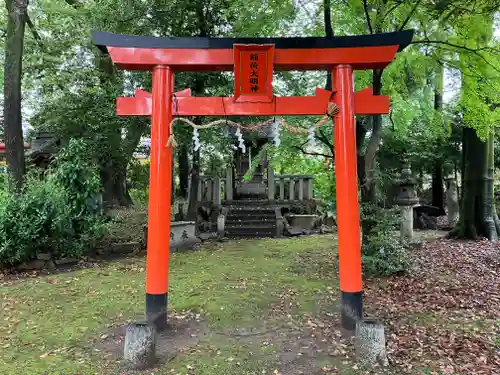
229, 183
301, 188
291, 193
201, 189
271, 189
282, 188
216, 192
309, 184
406, 199
209, 189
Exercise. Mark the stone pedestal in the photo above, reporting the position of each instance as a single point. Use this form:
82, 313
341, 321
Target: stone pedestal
406, 222
140, 346
370, 344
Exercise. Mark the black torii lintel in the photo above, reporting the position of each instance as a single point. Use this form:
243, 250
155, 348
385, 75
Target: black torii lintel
105, 39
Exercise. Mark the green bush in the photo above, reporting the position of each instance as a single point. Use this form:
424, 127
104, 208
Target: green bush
138, 182
140, 197
384, 253
58, 212
138, 174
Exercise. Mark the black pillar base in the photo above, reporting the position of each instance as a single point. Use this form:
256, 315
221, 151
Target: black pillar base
351, 307
156, 310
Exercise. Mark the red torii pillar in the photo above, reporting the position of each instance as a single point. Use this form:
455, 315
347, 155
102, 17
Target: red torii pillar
159, 204
163, 56
348, 226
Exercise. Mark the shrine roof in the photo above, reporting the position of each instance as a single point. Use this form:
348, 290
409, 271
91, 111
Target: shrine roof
106, 39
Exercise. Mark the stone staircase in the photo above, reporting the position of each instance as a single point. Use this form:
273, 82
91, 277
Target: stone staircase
250, 218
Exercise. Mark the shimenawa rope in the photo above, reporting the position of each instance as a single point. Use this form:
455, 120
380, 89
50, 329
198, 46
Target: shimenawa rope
332, 110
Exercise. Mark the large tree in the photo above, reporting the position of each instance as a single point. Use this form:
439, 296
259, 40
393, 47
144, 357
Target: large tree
77, 85
14, 48
478, 114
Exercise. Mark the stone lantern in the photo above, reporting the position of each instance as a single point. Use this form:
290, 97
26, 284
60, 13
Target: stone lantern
406, 199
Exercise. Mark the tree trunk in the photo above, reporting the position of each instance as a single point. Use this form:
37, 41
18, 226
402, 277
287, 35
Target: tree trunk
327, 14
437, 187
490, 216
477, 212
183, 158
114, 183
437, 173
13, 129
361, 131
368, 188
193, 193
114, 170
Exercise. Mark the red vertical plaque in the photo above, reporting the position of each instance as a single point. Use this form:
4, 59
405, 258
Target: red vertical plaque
253, 72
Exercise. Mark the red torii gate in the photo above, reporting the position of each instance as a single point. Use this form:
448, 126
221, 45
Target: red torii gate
253, 60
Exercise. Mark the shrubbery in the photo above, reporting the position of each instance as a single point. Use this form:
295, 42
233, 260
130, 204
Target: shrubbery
138, 182
58, 212
384, 253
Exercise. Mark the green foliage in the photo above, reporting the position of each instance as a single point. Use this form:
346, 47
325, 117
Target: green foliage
77, 174
138, 182
57, 213
140, 197
138, 174
384, 253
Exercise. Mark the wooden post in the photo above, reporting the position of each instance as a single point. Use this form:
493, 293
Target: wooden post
159, 210
271, 190
229, 183
347, 199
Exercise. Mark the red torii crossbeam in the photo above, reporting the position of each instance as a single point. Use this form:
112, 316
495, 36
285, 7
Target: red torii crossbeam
253, 60
365, 103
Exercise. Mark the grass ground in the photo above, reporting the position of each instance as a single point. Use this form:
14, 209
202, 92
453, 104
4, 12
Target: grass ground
55, 323
255, 307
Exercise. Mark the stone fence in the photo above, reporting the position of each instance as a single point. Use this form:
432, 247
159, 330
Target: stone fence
279, 188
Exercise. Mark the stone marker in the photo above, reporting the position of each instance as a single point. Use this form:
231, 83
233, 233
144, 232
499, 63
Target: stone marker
370, 343
139, 350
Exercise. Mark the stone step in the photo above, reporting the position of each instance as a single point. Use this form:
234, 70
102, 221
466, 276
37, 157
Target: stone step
251, 210
249, 236
251, 232
245, 226
251, 213
252, 221
247, 202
